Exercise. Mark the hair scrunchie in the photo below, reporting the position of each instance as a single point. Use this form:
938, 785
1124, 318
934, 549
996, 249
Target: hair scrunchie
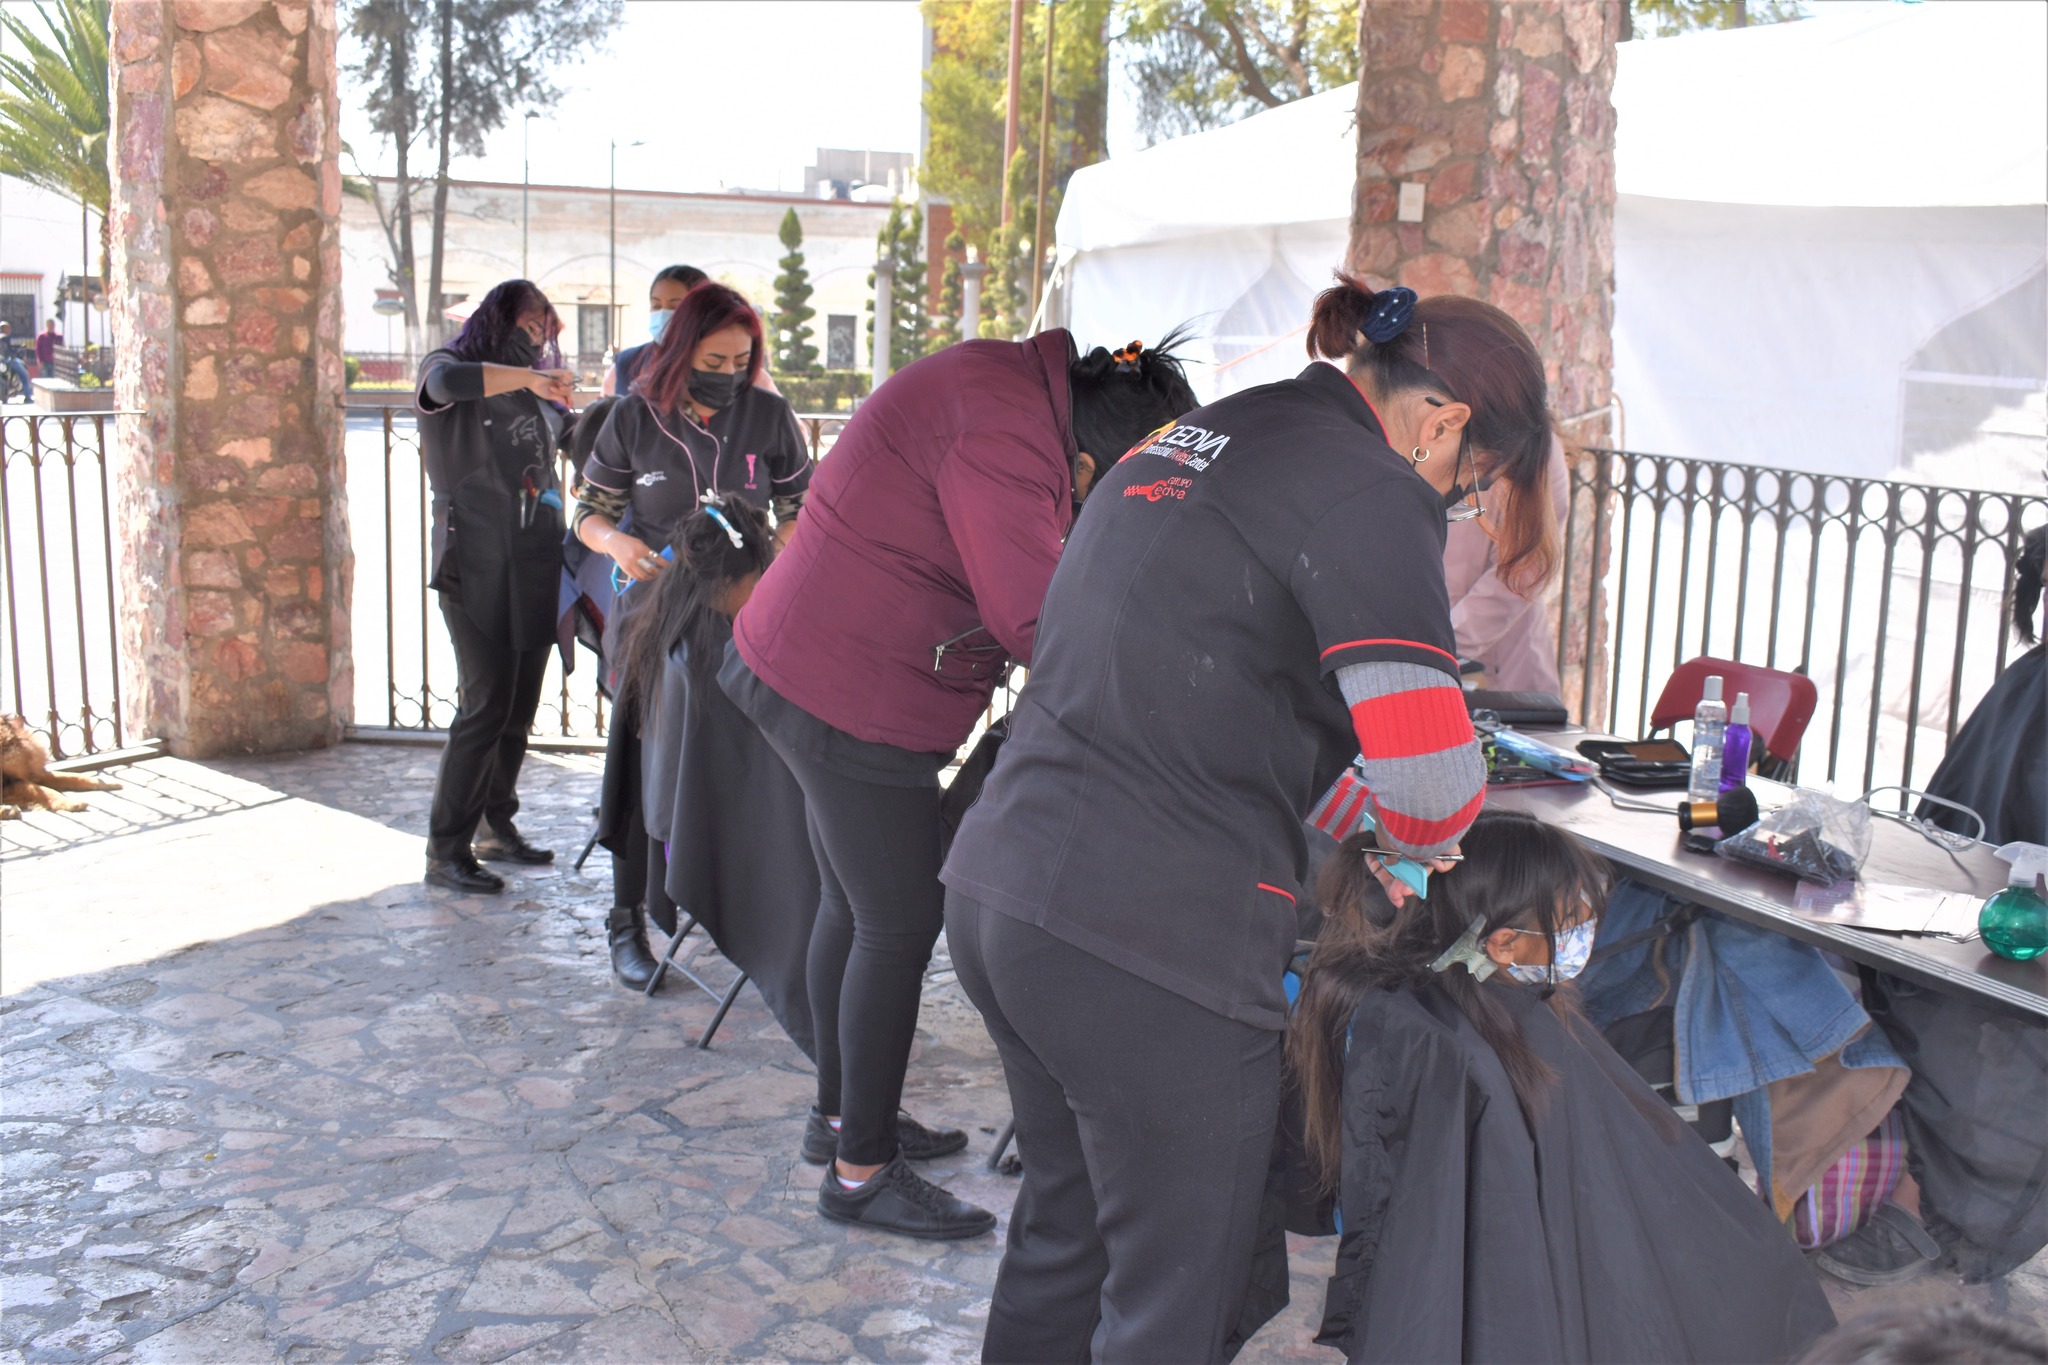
1127, 358
1391, 309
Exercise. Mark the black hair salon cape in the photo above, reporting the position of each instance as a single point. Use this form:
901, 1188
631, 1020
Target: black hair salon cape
1605, 1230
732, 817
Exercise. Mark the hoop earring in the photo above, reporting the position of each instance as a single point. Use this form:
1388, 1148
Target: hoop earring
1417, 455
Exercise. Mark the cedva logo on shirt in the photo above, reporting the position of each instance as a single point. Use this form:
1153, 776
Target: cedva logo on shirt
651, 478
1195, 447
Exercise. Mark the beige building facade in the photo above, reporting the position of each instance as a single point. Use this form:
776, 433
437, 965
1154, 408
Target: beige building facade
568, 245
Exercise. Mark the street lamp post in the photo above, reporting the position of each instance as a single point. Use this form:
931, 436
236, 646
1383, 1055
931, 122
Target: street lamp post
611, 313
525, 184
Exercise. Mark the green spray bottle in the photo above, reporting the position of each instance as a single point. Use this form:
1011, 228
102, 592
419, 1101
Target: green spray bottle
2015, 921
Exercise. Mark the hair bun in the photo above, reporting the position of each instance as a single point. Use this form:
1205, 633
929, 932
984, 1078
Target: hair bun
1388, 315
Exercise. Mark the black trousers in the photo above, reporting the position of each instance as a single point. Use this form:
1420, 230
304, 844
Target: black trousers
880, 908
1146, 1127
498, 692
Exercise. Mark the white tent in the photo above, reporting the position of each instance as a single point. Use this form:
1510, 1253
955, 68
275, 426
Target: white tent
1829, 242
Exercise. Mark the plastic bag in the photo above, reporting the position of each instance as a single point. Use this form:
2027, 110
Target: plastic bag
1816, 838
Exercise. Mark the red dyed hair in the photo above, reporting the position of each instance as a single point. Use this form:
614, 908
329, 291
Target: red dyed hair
665, 379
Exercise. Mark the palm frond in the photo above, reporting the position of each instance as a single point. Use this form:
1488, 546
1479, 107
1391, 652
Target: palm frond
54, 119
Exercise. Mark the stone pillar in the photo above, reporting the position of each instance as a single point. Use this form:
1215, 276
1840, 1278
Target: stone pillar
232, 529
1498, 118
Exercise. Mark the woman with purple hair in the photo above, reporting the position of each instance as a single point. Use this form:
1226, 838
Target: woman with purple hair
493, 408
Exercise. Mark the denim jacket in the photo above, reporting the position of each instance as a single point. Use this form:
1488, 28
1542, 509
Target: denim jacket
1749, 1006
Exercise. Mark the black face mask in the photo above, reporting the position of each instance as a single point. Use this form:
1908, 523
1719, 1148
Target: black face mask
715, 390
521, 349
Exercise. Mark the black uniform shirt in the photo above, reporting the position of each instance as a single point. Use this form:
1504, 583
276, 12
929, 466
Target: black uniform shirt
665, 462
511, 435
1180, 718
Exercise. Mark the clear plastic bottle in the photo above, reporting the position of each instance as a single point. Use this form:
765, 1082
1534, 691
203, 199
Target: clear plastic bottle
1709, 725
1735, 742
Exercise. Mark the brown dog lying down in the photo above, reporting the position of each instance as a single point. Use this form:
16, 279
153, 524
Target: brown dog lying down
26, 779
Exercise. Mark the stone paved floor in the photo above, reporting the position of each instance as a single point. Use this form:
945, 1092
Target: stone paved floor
263, 1096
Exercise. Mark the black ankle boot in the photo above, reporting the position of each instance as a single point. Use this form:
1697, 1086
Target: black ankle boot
632, 963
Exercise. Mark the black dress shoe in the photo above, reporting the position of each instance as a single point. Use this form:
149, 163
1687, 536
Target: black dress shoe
507, 845
917, 1142
626, 934
463, 874
898, 1199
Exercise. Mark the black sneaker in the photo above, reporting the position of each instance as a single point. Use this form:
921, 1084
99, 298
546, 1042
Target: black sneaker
1889, 1249
913, 1139
898, 1199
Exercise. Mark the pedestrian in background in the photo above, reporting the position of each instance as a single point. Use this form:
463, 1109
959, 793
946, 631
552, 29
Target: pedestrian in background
663, 296
493, 409
46, 348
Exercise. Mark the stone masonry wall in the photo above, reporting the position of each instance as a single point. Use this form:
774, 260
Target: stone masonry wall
1502, 111
232, 522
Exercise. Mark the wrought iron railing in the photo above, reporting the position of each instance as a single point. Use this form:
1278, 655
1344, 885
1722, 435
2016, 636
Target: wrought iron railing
404, 664
59, 593
1890, 596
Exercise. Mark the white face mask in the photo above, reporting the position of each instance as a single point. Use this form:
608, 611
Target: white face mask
1568, 957
657, 321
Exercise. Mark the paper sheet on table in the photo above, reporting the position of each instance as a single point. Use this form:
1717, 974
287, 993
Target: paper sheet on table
1889, 907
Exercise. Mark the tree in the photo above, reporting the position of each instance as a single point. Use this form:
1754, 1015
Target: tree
964, 109
53, 104
442, 75
1663, 18
952, 295
1203, 63
901, 241
791, 322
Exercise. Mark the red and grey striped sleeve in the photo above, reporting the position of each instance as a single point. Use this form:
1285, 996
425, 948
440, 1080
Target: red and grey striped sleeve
1423, 772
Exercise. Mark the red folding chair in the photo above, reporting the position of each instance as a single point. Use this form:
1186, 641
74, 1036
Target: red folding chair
1780, 705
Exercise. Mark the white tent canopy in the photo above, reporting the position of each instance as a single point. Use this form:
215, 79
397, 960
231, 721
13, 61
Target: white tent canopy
1829, 241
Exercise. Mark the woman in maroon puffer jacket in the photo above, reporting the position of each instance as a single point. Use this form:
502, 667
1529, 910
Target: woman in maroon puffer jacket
866, 654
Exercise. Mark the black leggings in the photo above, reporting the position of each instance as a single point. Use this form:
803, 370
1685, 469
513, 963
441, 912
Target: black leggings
879, 914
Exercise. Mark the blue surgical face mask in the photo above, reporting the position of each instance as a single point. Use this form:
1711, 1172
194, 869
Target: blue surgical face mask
657, 321
1568, 957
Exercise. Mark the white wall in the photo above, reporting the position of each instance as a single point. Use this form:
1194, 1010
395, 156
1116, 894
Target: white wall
39, 236
732, 237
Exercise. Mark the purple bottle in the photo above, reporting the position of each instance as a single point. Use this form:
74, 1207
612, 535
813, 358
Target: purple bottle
1735, 746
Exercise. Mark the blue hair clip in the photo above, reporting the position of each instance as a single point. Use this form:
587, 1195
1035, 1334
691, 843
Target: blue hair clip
1391, 309
732, 532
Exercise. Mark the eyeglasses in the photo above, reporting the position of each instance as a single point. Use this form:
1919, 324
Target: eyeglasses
1464, 510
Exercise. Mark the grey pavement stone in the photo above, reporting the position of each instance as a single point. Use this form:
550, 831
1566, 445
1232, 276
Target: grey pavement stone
265, 1096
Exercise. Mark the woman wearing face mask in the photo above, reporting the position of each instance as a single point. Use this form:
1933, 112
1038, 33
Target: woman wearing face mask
490, 420
1255, 596
1509, 1188
694, 424
663, 296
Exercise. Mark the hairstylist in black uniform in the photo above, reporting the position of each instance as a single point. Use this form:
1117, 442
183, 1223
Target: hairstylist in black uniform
1251, 598
663, 296
489, 426
695, 423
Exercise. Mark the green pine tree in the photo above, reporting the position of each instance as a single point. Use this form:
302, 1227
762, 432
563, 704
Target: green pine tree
946, 326
901, 240
794, 353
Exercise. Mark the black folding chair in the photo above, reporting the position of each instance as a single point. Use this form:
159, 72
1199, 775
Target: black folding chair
724, 998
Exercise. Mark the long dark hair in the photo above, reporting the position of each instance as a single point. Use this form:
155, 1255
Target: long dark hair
686, 597
1121, 397
487, 334
1469, 352
1517, 872
664, 379
2025, 594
